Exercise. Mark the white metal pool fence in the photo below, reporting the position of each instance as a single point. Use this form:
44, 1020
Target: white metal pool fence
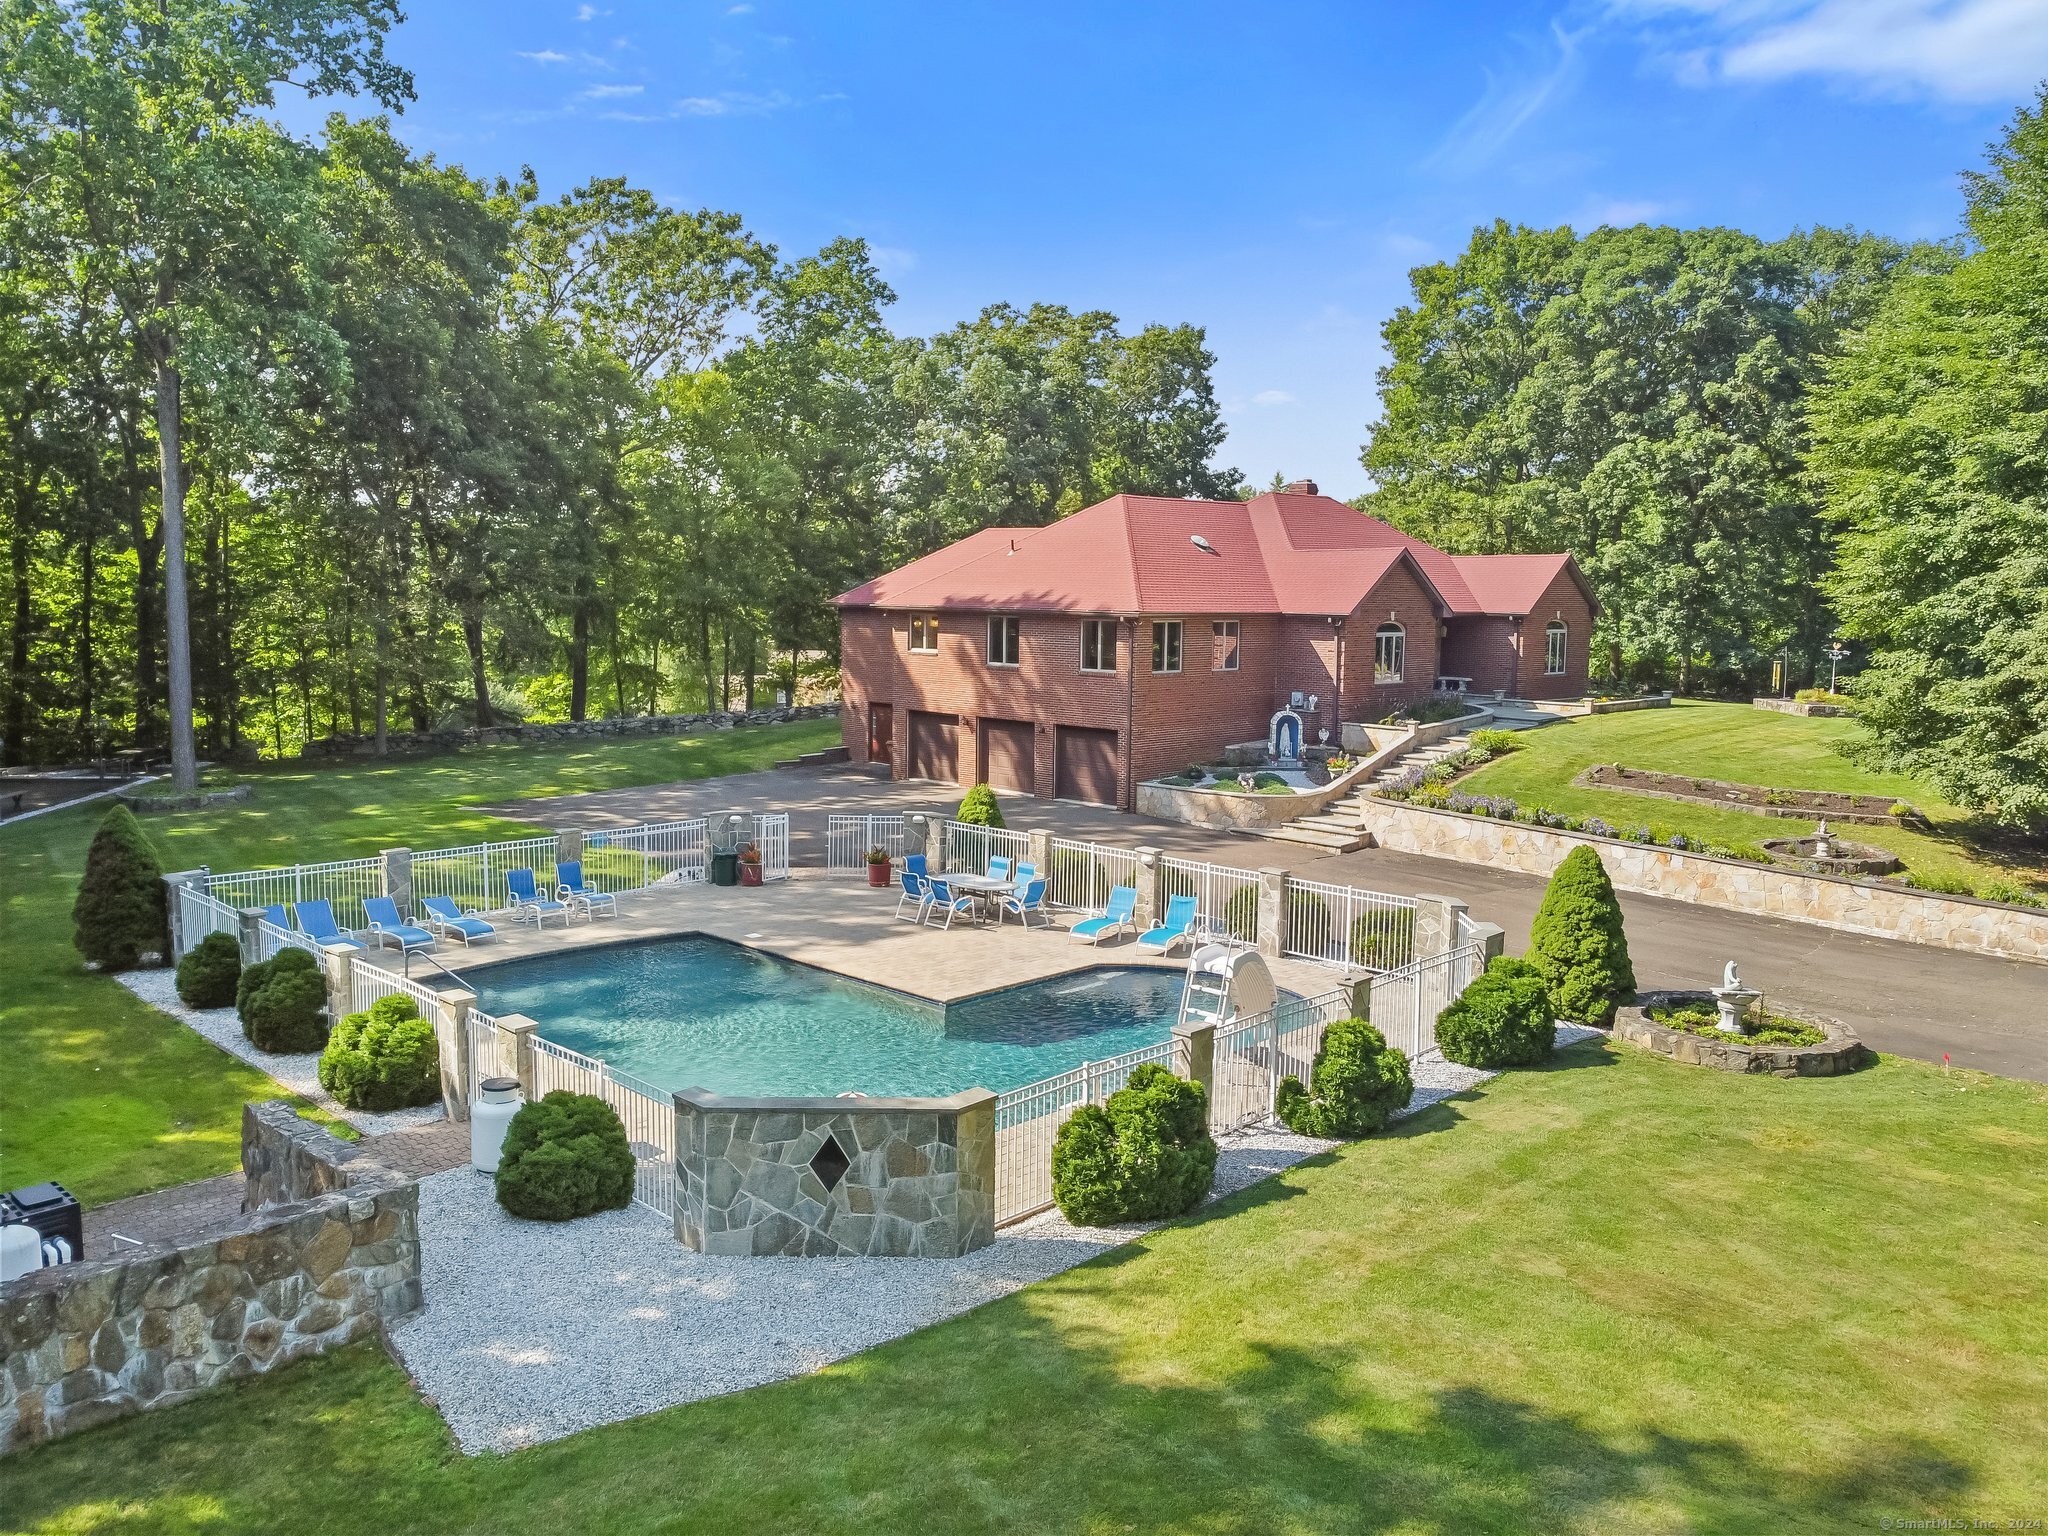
1255, 1055
654, 853
1342, 925
1407, 1001
341, 882
768, 835
1226, 899
970, 847
475, 877
1081, 875
648, 1115
849, 839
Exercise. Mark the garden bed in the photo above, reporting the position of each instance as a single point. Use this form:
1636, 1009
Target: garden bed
1682, 1025
1761, 800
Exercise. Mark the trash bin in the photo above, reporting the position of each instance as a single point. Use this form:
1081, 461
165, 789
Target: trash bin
56, 1216
725, 868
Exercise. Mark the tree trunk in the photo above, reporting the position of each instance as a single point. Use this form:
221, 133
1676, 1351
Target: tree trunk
749, 668
579, 661
148, 548
18, 655
618, 671
87, 681
704, 629
177, 614
479, 684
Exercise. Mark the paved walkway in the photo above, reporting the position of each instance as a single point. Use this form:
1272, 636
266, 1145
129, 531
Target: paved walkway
1912, 999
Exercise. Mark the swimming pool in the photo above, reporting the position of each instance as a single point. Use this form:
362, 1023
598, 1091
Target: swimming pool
696, 1012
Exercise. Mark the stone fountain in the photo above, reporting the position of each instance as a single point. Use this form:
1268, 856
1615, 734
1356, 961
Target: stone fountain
1733, 999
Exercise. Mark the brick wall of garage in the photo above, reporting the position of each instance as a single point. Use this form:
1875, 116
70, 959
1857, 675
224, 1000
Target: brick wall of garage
1185, 717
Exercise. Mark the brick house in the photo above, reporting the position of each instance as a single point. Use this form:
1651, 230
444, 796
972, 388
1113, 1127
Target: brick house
1145, 633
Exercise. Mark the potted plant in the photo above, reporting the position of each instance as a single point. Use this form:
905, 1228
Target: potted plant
878, 867
750, 864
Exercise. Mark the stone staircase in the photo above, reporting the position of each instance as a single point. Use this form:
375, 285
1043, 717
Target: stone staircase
1340, 825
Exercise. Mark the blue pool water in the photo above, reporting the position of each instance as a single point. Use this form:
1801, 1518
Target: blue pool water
695, 1012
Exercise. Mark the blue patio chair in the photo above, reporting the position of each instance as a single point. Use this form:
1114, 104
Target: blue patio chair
527, 900
450, 921
1025, 903
277, 917
1116, 917
316, 922
943, 899
913, 864
1026, 873
999, 868
917, 890
385, 923
571, 887
1177, 927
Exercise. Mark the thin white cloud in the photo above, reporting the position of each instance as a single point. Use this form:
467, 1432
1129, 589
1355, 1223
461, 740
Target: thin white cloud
739, 10
893, 260
545, 56
1509, 103
1955, 50
607, 92
1272, 397
731, 104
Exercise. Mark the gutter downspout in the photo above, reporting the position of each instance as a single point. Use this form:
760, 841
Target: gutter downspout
1337, 703
1127, 791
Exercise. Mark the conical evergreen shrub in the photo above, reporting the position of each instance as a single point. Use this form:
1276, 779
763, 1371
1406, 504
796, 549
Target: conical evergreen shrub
980, 808
122, 912
1576, 943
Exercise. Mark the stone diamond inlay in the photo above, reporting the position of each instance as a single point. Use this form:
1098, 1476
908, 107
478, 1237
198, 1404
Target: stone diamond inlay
830, 1162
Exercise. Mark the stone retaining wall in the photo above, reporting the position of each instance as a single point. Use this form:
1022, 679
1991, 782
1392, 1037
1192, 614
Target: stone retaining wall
565, 730
1856, 906
1803, 707
97, 1340
911, 1178
1841, 1052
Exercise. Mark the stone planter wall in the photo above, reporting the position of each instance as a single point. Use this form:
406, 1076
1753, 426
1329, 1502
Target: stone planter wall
1228, 808
1855, 906
144, 804
98, 1340
566, 730
1842, 1052
918, 1178
1803, 707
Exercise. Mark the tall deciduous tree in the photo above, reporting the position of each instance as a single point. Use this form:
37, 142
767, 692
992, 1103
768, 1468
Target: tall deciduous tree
1931, 438
194, 211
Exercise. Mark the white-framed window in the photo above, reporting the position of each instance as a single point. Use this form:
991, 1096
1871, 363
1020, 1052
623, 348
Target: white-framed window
924, 633
1002, 642
1223, 646
1098, 645
1389, 653
1553, 648
1166, 639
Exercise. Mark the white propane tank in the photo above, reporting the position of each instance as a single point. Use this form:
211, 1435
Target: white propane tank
497, 1101
21, 1250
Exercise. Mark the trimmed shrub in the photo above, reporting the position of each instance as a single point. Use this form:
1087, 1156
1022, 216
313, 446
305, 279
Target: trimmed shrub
1495, 742
384, 1058
1577, 945
1382, 940
1143, 1155
122, 912
211, 972
1356, 1084
565, 1156
1502, 1019
979, 808
281, 1001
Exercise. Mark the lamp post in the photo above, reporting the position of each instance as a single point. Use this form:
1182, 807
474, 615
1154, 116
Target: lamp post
1834, 654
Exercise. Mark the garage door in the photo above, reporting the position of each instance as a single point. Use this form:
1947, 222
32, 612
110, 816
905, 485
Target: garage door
934, 746
1007, 755
1087, 765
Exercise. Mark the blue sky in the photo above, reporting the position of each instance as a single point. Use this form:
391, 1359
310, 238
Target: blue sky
1268, 171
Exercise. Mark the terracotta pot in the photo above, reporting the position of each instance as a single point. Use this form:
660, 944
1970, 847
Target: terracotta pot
878, 875
750, 874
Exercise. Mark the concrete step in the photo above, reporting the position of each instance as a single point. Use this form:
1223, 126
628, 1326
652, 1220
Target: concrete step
1343, 841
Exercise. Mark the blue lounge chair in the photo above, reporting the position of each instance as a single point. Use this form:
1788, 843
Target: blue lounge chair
277, 917
527, 900
1116, 917
450, 921
1025, 903
944, 900
385, 923
571, 887
917, 890
999, 868
316, 922
913, 864
1177, 927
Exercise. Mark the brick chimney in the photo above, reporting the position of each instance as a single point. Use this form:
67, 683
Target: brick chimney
1300, 488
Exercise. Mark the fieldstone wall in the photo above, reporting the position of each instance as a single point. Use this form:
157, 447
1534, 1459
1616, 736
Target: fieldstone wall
1803, 707
98, 1340
836, 1178
1856, 906
1841, 1052
286, 1159
566, 730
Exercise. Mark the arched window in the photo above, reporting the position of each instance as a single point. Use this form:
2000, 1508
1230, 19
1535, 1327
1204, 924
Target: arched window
1389, 653
1553, 648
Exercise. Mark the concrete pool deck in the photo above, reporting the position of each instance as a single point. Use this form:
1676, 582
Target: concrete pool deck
836, 924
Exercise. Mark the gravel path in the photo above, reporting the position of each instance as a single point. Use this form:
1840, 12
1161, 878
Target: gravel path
298, 1071
534, 1331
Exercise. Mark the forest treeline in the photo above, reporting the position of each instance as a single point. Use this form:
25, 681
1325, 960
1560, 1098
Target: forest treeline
327, 436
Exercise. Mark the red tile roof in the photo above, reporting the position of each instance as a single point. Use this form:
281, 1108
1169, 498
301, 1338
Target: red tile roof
1279, 553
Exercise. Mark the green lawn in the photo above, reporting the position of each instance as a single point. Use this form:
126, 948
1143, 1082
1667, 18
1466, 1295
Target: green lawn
113, 1098
1745, 745
1615, 1295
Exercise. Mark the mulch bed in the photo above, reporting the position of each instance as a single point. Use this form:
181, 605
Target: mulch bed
1805, 804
